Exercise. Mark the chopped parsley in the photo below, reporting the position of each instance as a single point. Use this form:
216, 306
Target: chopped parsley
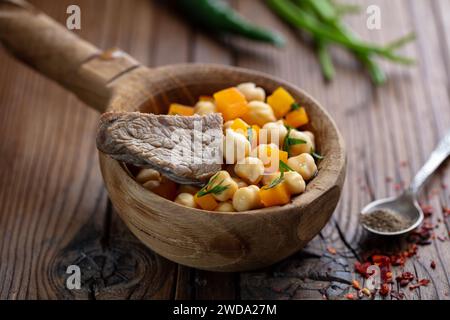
283, 168
316, 155
217, 189
295, 106
276, 181
288, 141
250, 134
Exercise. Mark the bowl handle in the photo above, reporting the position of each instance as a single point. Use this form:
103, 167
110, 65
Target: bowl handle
58, 53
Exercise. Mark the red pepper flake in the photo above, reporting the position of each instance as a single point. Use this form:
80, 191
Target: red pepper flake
361, 268
421, 282
384, 289
433, 264
403, 163
331, 250
381, 260
398, 260
388, 179
444, 186
446, 211
356, 285
427, 210
398, 187
405, 278
350, 296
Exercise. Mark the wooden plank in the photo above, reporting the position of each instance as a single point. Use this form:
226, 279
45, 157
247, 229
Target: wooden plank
382, 127
54, 209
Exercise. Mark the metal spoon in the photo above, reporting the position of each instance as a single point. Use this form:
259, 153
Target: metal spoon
406, 204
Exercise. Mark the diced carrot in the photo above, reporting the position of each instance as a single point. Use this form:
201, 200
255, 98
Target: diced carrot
231, 103
240, 126
270, 164
297, 118
280, 101
283, 156
166, 189
206, 98
255, 132
206, 202
176, 108
277, 195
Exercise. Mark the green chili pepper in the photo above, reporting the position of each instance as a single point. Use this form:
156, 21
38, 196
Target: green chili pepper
216, 15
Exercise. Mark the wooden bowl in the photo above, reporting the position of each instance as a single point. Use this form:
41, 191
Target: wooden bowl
215, 240
112, 80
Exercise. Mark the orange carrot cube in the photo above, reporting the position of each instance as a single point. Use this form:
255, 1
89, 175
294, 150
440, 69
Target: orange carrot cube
297, 118
275, 196
280, 101
206, 202
179, 109
206, 98
231, 103
240, 126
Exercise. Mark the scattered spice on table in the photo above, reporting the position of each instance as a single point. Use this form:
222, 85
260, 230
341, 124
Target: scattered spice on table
385, 221
433, 264
356, 284
350, 296
420, 283
331, 250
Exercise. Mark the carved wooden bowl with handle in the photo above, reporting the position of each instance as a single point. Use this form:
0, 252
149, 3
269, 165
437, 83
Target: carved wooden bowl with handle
112, 80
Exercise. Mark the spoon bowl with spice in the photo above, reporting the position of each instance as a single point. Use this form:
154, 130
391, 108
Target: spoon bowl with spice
399, 215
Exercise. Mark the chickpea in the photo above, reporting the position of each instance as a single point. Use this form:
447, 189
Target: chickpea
186, 199
268, 178
224, 179
311, 136
227, 125
250, 169
236, 146
151, 184
252, 92
226, 206
294, 182
297, 149
259, 113
278, 130
185, 188
303, 164
261, 152
241, 183
148, 174
204, 107
247, 198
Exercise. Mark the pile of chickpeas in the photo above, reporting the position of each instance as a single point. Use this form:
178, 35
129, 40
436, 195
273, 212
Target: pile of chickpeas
245, 174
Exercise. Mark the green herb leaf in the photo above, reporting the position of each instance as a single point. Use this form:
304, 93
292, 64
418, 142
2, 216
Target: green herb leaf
285, 142
215, 190
316, 155
250, 134
218, 189
295, 106
294, 141
284, 167
276, 181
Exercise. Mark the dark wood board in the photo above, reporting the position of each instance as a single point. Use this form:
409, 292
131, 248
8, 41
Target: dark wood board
54, 210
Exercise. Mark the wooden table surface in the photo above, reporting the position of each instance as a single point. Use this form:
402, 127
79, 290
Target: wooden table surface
54, 210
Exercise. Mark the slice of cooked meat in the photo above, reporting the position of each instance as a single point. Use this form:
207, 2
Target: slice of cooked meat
185, 149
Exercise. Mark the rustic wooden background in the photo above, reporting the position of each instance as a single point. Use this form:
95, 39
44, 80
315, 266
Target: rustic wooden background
55, 210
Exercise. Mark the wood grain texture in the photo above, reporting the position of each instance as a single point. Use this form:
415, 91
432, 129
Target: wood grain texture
50, 185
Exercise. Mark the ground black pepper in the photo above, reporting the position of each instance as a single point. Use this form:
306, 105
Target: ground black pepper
385, 221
